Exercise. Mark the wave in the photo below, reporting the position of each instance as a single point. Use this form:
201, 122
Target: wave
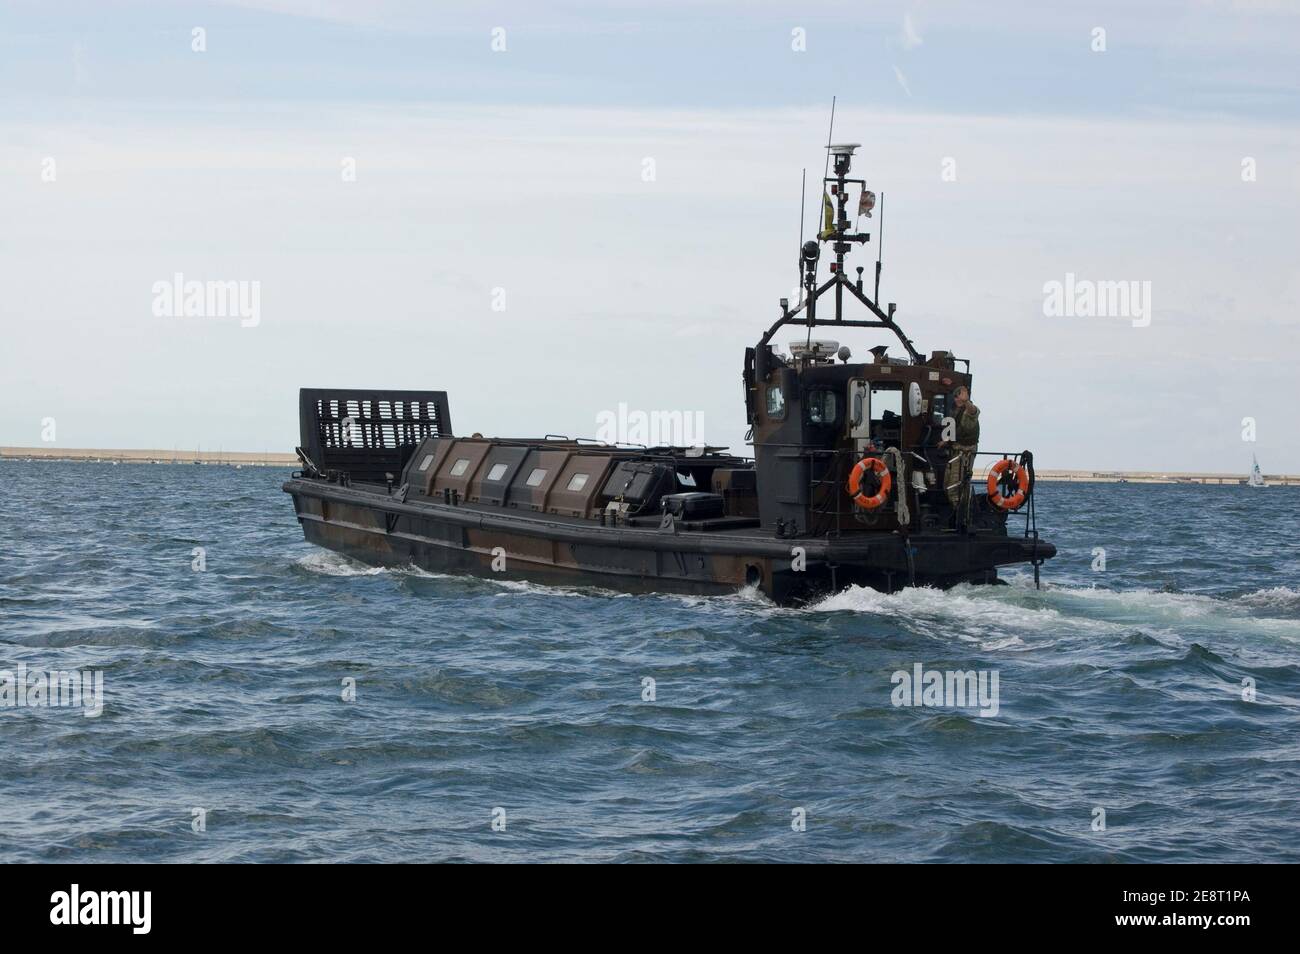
330, 563
1192, 612
1275, 597
1020, 615
1019, 609
524, 587
997, 618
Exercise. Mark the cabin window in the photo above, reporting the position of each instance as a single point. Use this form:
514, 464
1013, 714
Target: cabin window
938, 408
822, 407
458, 469
886, 412
536, 477
775, 402
933, 432
427, 462
498, 471
886, 402
577, 482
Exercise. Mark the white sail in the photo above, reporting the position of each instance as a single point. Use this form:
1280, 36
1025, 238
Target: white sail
1256, 478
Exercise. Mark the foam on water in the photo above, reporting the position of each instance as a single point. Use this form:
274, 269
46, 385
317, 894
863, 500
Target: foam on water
969, 611
1020, 603
329, 563
1282, 598
965, 607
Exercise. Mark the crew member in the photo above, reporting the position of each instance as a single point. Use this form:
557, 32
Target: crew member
961, 457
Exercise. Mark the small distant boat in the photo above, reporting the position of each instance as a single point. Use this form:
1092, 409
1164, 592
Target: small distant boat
1256, 479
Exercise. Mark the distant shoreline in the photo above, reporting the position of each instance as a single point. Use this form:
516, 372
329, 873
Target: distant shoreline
138, 456
271, 459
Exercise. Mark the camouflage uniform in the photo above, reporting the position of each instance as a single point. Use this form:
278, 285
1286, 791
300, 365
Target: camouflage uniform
961, 461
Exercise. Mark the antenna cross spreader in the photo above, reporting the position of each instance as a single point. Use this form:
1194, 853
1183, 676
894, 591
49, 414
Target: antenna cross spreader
835, 197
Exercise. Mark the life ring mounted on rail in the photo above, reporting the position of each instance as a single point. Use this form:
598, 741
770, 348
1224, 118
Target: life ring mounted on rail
1022, 483
881, 470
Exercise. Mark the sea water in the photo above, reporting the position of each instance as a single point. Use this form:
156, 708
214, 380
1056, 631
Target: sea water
265, 700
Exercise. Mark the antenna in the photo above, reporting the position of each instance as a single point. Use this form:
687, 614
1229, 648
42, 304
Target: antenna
803, 204
826, 168
829, 133
880, 246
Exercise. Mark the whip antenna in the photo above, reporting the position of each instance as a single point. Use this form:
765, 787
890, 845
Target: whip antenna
803, 204
880, 246
829, 134
826, 168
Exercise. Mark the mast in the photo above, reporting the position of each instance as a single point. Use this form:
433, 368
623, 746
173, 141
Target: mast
837, 231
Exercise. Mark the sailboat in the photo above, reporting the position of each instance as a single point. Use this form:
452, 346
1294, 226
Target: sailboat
1256, 479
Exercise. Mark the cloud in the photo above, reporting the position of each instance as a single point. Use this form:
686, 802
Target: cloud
408, 254
911, 38
902, 81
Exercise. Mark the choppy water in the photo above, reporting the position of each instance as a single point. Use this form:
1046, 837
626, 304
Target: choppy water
1119, 690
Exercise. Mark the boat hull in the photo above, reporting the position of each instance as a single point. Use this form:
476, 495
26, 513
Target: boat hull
379, 529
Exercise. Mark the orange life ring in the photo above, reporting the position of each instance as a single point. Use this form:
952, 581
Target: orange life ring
881, 470
1022, 480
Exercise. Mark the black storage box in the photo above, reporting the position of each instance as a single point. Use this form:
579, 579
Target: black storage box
638, 484
739, 489
695, 505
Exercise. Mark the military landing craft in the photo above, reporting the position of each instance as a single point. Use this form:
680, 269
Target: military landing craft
846, 485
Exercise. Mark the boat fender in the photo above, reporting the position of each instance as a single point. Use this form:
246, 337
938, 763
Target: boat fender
1022, 483
881, 470
894, 458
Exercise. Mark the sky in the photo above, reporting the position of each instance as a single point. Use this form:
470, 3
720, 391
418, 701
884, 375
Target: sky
551, 210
